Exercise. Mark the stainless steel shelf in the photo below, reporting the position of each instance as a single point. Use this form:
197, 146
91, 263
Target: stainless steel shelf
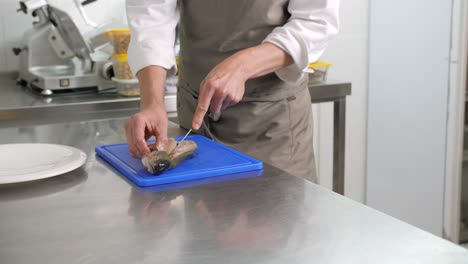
20, 106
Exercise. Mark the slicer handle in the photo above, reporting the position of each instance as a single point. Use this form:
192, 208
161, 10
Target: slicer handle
80, 5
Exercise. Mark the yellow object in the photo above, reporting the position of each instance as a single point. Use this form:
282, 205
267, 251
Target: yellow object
318, 71
120, 38
121, 68
120, 57
319, 64
117, 30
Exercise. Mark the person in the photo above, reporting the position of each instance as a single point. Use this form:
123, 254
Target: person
241, 78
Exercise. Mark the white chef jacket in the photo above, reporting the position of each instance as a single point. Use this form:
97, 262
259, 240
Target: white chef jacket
304, 37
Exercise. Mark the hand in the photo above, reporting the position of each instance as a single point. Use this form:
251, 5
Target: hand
151, 121
223, 87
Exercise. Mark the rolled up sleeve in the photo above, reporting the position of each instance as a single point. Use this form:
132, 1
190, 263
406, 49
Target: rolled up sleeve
306, 34
152, 24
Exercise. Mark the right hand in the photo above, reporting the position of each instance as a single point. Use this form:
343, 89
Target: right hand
151, 121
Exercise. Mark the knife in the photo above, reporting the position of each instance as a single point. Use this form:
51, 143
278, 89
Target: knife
178, 143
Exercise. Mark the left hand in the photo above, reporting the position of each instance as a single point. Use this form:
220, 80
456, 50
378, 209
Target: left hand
223, 87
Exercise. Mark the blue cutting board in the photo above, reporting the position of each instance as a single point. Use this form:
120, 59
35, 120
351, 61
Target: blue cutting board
211, 159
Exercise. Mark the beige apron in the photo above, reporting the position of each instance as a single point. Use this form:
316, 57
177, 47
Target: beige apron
273, 122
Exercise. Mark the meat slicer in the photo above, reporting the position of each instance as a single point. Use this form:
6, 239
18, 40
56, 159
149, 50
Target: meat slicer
55, 56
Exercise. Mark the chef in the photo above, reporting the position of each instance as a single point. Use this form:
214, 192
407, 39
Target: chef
241, 78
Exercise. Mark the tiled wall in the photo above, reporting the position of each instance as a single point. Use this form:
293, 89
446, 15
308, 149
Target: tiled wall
13, 24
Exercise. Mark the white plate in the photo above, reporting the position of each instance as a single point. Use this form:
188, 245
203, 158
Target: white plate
28, 162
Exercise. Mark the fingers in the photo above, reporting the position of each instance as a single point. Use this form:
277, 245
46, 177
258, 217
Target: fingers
129, 133
231, 100
220, 99
142, 126
227, 103
216, 106
221, 89
215, 117
139, 137
132, 127
207, 90
161, 137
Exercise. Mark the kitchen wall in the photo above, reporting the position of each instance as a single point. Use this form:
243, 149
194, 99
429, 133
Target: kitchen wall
349, 54
13, 24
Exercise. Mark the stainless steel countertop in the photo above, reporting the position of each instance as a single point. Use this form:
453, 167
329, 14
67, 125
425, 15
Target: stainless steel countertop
93, 215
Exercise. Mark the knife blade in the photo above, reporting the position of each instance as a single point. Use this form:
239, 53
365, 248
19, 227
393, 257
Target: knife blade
178, 143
